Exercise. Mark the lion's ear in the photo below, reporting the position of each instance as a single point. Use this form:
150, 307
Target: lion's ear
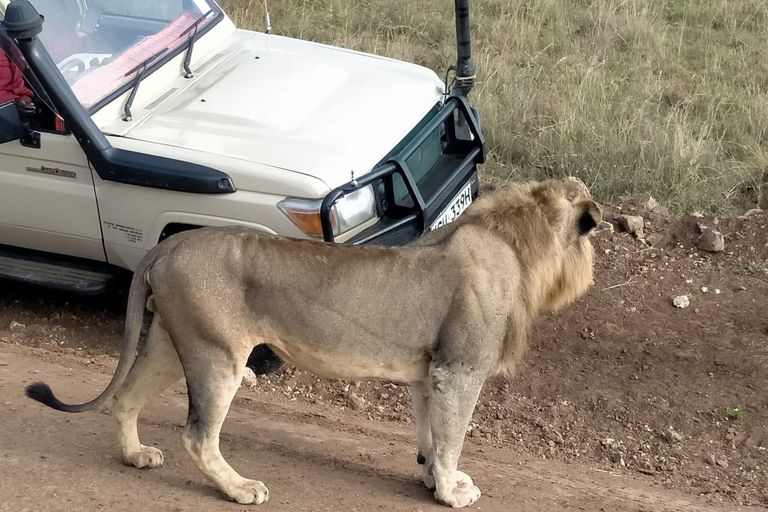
589, 216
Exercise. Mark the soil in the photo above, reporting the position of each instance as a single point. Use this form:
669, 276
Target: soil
625, 401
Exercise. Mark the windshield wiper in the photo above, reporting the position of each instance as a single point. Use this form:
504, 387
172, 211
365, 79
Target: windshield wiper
191, 43
141, 68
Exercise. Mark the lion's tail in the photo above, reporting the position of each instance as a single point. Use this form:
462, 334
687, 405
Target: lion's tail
136, 320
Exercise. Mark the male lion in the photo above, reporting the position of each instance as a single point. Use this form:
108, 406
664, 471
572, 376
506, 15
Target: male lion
442, 314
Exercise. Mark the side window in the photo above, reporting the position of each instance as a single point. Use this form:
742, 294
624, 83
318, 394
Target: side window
19, 87
43, 118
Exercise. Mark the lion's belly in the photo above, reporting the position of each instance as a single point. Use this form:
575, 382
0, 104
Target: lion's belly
351, 366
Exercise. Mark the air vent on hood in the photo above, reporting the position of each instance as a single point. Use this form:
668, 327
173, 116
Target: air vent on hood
209, 62
161, 98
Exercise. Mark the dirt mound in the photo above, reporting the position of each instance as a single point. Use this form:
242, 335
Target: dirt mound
623, 380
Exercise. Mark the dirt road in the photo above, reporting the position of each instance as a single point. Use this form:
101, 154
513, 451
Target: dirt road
312, 459
624, 403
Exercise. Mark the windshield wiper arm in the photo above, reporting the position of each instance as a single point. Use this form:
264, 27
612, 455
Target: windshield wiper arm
141, 68
191, 43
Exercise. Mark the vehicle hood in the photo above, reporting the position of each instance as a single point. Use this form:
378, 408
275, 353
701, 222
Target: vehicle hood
295, 105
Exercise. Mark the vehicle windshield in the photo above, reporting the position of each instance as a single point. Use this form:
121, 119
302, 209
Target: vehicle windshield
100, 46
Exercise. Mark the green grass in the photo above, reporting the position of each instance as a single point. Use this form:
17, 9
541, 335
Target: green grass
755, 269
661, 96
735, 414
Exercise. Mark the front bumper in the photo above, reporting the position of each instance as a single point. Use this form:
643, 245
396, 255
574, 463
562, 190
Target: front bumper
399, 223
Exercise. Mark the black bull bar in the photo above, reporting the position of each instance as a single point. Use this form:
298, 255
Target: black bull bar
470, 148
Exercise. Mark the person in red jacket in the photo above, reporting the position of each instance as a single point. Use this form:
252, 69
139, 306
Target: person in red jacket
12, 87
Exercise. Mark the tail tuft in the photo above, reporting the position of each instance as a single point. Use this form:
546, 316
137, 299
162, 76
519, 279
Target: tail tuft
41, 392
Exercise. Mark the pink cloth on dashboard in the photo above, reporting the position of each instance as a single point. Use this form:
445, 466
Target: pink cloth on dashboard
104, 79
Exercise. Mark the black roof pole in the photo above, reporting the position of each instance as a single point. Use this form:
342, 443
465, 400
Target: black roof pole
465, 68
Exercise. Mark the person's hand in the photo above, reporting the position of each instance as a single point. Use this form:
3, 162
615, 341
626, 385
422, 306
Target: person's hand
25, 106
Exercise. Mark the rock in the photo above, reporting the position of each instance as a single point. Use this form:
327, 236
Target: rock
632, 224
717, 291
16, 326
617, 457
750, 213
722, 462
711, 240
647, 202
604, 229
704, 289
249, 378
751, 465
356, 403
54, 317
654, 238
553, 436
643, 202
681, 301
671, 436
35, 329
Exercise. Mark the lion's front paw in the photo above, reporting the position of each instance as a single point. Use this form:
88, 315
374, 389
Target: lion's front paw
460, 478
463, 495
249, 491
147, 457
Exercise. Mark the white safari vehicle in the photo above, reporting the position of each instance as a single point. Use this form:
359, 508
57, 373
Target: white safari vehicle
154, 117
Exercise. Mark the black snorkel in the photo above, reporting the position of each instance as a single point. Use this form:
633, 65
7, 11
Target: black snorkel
465, 68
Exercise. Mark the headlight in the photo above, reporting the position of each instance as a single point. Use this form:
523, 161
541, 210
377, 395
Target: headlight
348, 212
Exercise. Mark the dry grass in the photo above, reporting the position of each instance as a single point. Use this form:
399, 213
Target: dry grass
666, 96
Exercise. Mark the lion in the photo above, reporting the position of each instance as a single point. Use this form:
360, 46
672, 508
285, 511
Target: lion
442, 314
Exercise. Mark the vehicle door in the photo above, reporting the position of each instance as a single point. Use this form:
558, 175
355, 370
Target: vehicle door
47, 197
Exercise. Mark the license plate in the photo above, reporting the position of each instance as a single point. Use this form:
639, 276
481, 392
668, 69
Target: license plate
456, 207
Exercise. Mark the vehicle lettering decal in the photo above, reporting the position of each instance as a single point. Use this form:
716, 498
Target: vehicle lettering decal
132, 235
53, 171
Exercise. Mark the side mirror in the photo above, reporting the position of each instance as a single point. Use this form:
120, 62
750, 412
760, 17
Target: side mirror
10, 123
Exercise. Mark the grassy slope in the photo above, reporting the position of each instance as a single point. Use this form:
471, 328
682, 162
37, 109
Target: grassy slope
666, 96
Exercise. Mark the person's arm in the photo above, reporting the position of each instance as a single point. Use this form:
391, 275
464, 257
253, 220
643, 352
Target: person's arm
21, 92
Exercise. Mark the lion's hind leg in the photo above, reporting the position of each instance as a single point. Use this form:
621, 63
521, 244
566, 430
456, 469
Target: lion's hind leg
155, 369
212, 381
